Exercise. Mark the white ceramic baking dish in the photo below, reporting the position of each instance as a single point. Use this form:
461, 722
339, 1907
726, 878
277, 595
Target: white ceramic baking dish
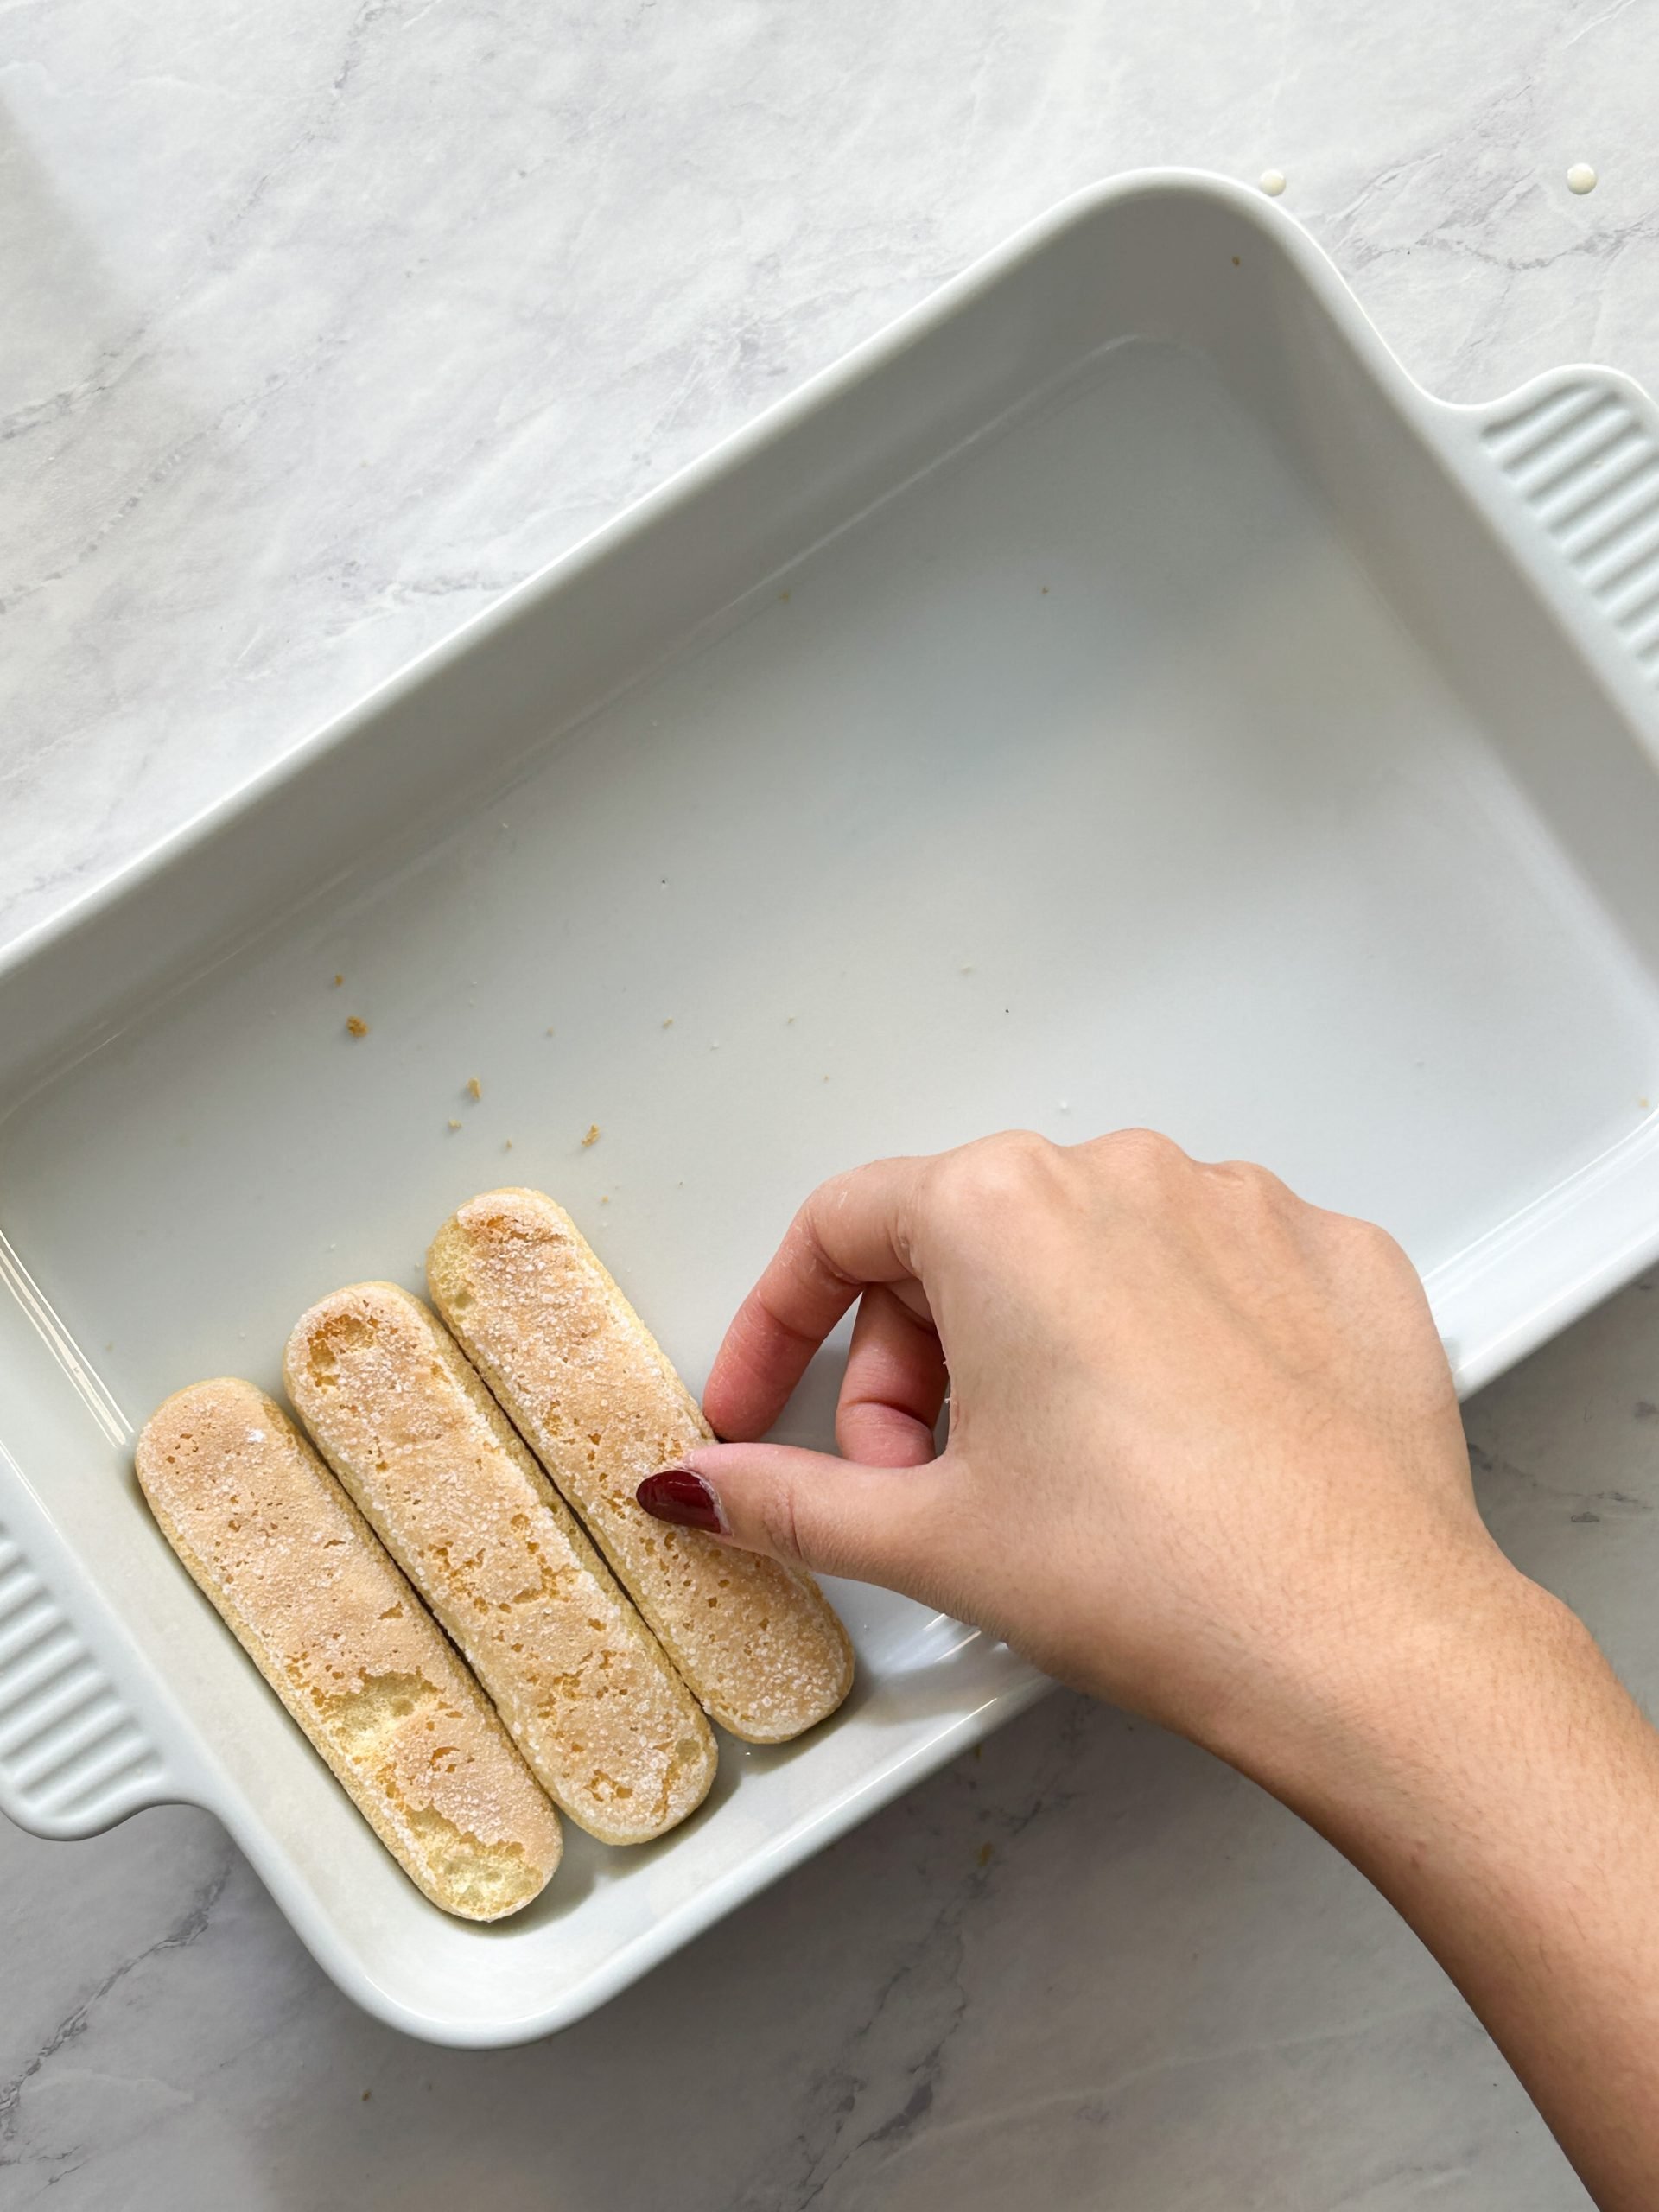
1115, 694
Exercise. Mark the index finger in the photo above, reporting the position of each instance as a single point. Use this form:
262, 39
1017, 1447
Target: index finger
854, 1229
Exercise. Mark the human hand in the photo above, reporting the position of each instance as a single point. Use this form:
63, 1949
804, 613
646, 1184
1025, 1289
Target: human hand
1205, 1455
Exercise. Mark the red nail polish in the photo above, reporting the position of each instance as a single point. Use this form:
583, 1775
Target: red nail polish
680, 1496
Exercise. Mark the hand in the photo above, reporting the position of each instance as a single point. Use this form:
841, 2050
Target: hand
1204, 1459
1204, 1446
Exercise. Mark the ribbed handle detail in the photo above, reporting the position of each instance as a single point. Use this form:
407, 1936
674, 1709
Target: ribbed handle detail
1581, 451
73, 1759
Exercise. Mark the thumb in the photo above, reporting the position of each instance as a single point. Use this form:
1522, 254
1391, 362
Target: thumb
810, 1509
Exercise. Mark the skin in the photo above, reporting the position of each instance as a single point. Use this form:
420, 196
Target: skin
1205, 1460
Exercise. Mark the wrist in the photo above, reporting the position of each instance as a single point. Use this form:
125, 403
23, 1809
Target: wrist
1392, 1726
1485, 1769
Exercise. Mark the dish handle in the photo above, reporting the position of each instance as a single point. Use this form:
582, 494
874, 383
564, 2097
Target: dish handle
82, 1718
1579, 448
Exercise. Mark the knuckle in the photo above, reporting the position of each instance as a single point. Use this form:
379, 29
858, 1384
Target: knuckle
1258, 1186
829, 1198
1385, 1250
1367, 1243
994, 1173
1014, 1152
1144, 1158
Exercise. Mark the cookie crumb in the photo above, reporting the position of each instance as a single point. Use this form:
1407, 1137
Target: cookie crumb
453, 1123
474, 1087
669, 1023
507, 1147
985, 1852
592, 1136
550, 1032
356, 1025
339, 980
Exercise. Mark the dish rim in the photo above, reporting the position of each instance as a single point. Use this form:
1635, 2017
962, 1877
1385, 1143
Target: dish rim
1452, 430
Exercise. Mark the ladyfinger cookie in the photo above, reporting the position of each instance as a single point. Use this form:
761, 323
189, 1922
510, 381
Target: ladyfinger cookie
590, 1390
606, 1724
287, 1561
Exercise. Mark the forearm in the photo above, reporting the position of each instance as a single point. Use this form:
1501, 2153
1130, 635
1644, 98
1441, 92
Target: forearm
1490, 1774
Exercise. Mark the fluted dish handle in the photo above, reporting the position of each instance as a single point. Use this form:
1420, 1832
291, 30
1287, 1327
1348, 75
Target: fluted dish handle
78, 1754
1578, 452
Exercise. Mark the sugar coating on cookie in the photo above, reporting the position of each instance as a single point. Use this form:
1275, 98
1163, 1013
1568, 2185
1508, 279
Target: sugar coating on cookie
593, 1393
296, 1574
606, 1725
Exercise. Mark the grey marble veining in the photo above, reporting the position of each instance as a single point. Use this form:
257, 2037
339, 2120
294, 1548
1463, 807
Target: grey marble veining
325, 324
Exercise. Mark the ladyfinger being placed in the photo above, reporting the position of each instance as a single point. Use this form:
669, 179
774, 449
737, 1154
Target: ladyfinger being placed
332, 1625
589, 1387
607, 1726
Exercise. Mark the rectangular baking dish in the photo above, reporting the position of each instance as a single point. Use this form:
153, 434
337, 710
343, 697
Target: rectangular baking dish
1115, 694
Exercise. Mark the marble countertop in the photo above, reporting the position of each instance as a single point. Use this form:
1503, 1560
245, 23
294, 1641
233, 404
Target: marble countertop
325, 323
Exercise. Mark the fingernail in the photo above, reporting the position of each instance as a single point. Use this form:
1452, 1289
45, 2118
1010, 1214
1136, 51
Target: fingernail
680, 1496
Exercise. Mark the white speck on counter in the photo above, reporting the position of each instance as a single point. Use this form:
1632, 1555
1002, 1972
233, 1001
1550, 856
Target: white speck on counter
1065, 1105
1273, 182
1580, 177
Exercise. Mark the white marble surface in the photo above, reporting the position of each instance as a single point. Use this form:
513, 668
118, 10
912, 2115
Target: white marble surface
324, 323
